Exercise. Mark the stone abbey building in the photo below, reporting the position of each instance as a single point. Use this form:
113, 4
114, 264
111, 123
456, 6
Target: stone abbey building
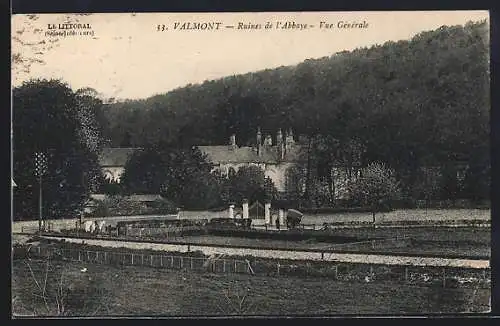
283, 161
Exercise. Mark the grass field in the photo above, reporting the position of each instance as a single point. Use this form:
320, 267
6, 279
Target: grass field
133, 290
468, 241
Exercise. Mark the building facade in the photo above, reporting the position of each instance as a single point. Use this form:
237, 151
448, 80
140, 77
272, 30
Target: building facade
284, 161
277, 160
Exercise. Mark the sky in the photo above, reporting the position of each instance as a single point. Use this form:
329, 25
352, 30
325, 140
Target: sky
132, 56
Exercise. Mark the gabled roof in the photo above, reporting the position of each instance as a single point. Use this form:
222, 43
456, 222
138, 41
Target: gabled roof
115, 156
247, 154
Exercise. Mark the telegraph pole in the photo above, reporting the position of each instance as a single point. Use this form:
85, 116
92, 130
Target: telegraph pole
40, 170
40, 203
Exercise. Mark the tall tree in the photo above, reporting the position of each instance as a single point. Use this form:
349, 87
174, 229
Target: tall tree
181, 175
45, 120
376, 187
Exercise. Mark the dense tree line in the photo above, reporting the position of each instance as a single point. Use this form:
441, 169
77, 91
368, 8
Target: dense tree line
411, 104
50, 118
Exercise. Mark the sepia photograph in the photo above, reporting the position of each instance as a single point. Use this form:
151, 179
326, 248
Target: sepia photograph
250, 164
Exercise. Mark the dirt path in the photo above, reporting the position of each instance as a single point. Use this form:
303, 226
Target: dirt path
294, 255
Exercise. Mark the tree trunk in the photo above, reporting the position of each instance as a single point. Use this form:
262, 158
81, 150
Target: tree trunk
331, 185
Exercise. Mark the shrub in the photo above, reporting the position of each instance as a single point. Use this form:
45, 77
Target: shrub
118, 206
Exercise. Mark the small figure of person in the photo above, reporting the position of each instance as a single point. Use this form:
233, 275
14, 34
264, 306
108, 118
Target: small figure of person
277, 223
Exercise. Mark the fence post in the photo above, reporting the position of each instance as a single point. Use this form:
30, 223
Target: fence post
142, 260
235, 267
88, 256
373, 244
371, 270
278, 269
182, 262
406, 273
444, 277
171, 261
151, 260
336, 272
105, 257
223, 265
161, 260
132, 259
191, 264
79, 257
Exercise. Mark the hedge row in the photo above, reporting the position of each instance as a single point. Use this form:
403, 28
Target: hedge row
471, 222
337, 210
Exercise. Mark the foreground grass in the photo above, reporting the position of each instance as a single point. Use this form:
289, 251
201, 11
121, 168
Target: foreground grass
146, 291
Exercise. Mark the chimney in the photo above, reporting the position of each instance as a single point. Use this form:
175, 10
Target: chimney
289, 140
259, 142
232, 141
280, 145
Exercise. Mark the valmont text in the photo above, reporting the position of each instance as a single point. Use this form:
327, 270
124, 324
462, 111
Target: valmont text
197, 26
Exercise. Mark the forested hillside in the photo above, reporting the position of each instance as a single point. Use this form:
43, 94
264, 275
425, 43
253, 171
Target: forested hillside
413, 103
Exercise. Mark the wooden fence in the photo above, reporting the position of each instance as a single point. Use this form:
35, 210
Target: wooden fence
163, 232
421, 275
216, 264
445, 277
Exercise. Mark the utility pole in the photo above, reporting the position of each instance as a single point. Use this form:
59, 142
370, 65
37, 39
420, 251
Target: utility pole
40, 203
40, 170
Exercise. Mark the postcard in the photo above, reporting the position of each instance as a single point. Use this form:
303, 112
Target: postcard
270, 164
